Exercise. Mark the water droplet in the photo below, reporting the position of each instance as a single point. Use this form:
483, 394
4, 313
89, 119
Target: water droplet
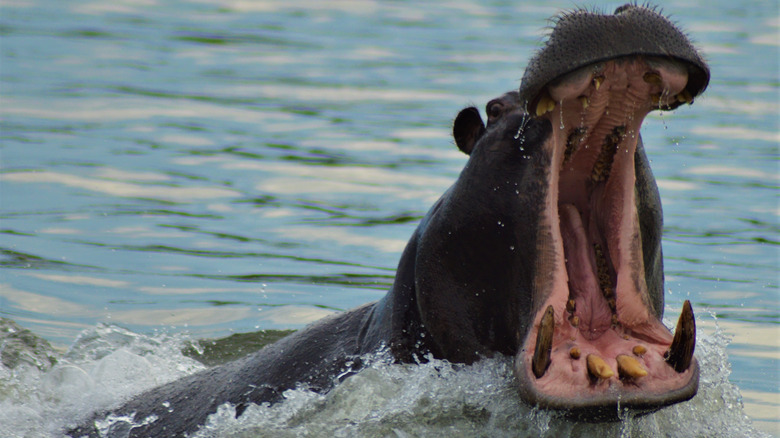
560, 105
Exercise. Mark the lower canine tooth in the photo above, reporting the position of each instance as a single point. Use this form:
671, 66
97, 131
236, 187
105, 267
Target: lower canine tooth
629, 367
544, 338
680, 353
598, 368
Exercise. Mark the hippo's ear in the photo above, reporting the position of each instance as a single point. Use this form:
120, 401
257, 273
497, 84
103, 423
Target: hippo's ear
467, 129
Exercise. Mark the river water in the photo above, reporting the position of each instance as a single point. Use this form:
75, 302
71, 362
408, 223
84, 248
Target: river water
176, 170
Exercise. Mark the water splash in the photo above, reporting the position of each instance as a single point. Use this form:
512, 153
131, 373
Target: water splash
437, 398
104, 366
384, 399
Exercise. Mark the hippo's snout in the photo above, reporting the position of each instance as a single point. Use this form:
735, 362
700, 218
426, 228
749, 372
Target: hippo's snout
584, 38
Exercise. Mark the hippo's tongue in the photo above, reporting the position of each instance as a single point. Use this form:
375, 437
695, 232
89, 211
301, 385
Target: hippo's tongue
593, 310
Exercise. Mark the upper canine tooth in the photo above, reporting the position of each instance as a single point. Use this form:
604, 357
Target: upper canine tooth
597, 81
545, 105
680, 353
684, 97
544, 339
598, 368
629, 367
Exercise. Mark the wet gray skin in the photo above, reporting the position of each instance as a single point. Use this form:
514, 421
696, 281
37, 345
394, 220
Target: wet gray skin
556, 213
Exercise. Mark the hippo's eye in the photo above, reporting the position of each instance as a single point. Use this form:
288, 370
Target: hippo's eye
494, 110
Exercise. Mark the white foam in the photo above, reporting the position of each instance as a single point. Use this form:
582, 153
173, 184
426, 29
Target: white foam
107, 364
440, 399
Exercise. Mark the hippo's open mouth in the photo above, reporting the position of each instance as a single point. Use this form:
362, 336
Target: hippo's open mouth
597, 343
597, 336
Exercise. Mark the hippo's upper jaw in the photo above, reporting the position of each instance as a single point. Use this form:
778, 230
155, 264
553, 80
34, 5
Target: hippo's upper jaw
597, 343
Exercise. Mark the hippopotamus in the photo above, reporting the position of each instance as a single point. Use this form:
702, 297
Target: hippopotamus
547, 249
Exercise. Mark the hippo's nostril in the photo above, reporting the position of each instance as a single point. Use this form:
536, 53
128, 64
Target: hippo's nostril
624, 8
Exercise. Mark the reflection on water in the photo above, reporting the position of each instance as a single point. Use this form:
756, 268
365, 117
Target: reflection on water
230, 166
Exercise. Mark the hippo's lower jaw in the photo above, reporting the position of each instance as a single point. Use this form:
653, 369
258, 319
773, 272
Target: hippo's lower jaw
597, 343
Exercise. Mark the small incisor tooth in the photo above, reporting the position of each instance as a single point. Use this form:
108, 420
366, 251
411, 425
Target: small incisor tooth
597, 81
544, 339
598, 368
574, 353
639, 350
575, 321
628, 367
545, 105
680, 353
571, 306
652, 78
584, 101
